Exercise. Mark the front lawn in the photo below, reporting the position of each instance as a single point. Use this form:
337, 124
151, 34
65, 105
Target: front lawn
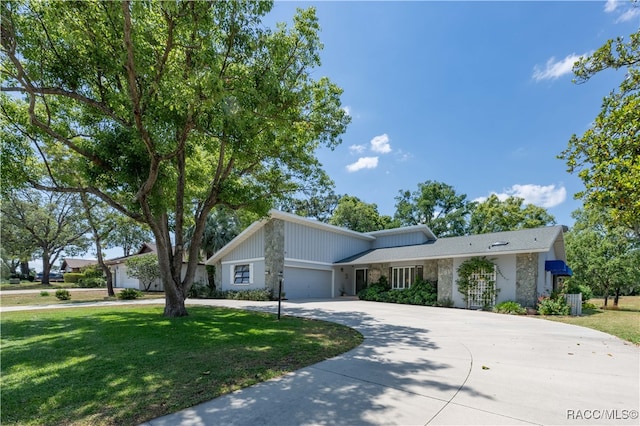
48, 297
623, 322
126, 365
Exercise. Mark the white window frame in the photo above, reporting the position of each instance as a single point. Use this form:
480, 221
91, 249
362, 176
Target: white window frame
233, 274
402, 277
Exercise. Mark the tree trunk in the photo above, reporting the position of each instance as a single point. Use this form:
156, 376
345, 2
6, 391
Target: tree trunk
616, 297
46, 268
24, 268
173, 290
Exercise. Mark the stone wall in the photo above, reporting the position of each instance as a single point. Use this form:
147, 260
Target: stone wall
430, 270
273, 253
526, 279
445, 279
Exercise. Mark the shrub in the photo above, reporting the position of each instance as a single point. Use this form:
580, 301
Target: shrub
572, 288
93, 282
63, 294
422, 292
129, 294
510, 307
92, 271
553, 305
72, 277
44, 293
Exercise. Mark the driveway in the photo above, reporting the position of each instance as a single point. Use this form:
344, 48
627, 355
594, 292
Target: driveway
432, 366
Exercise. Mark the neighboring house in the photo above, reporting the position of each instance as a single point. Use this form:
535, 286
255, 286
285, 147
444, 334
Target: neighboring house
315, 259
122, 279
76, 265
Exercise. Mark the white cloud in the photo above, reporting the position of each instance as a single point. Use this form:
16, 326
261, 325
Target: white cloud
357, 149
347, 109
540, 195
628, 15
363, 163
381, 144
554, 69
611, 5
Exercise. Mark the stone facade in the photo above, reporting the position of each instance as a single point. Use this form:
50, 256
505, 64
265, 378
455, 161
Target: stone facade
526, 279
273, 253
430, 270
445, 279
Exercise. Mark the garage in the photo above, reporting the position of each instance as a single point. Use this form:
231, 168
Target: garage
304, 283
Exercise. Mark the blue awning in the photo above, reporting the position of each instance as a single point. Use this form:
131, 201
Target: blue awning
557, 267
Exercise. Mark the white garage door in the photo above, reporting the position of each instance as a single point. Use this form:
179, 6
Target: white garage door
300, 283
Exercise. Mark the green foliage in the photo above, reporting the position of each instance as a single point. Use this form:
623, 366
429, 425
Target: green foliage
353, 213
573, 287
436, 205
606, 155
73, 277
44, 293
555, 304
92, 271
145, 268
420, 293
467, 283
604, 258
509, 307
63, 294
93, 282
129, 294
494, 215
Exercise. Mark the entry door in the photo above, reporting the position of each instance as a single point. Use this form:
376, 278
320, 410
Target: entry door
361, 279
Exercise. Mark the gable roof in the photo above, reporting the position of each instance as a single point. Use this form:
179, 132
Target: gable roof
534, 240
287, 217
77, 263
404, 230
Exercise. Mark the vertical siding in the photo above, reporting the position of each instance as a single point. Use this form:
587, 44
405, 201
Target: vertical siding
307, 243
398, 240
252, 248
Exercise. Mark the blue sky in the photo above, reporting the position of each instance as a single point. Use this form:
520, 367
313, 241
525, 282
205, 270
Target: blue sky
477, 95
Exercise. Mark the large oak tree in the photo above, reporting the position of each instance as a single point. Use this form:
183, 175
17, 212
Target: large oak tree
165, 110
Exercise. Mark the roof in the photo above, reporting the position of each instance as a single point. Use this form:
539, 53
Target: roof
534, 240
78, 263
287, 217
404, 230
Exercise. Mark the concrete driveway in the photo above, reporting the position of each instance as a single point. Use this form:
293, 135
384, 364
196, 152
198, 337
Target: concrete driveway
432, 366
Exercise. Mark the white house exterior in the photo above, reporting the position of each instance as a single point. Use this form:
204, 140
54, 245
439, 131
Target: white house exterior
317, 260
121, 278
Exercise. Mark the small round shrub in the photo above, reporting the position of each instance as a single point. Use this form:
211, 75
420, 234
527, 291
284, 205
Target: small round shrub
63, 294
129, 294
553, 305
44, 293
509, 307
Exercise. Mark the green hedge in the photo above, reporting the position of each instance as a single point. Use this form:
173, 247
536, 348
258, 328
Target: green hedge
73, 277
422, 292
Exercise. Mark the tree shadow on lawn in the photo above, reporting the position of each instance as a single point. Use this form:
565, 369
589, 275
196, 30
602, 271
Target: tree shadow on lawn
397, 371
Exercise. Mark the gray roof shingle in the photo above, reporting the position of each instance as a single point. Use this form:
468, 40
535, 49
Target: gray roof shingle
521, 241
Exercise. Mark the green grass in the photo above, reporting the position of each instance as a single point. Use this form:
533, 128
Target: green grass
35, 285
623, 322
126, 365
97, 295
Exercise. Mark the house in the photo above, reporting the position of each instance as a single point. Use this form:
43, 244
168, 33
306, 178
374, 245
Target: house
315, 259
76, 265
121, 278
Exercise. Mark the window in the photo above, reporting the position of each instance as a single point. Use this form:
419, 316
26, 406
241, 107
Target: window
241, 274
402, 277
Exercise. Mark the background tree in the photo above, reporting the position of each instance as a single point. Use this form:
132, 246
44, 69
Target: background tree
493, 215
603, 258
355, 214
607, 156
317, 202
145, 268
52, 223
128, 235
436, 205
165, 110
